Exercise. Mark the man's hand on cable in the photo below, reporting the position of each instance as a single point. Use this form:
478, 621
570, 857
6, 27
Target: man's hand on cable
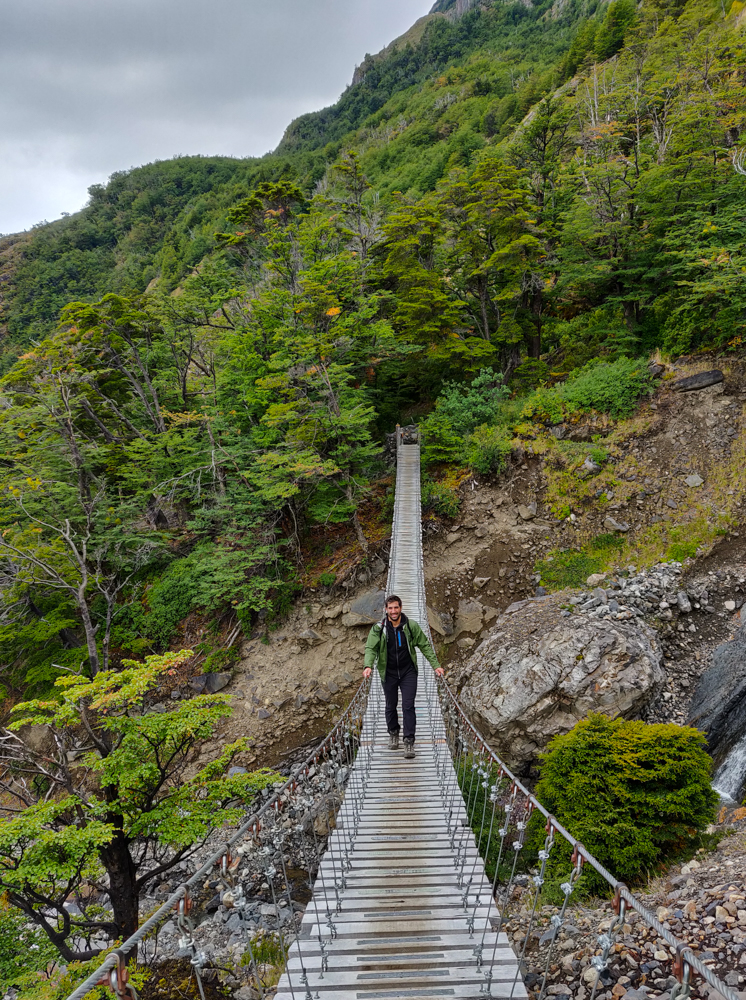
439, 671
367, 672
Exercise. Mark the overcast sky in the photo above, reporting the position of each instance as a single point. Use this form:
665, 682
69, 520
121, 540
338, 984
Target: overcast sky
88, 87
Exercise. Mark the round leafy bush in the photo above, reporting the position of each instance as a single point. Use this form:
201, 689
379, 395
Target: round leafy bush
633, 793
609, 388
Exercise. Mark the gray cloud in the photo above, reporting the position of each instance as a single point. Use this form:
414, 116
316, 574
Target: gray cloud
92, 86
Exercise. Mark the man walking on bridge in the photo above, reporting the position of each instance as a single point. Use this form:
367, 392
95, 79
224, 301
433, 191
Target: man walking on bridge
392, 646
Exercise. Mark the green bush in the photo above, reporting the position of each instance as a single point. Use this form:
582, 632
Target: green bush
440, 443
609, 388
633, 793
465, 407
488, 449
543, 406
441, 497
613, 388
23, 949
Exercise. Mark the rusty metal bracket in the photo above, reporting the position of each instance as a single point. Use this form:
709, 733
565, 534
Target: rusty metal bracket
117, 980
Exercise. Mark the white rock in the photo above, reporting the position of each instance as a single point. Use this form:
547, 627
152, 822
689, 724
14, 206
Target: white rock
694, 480
730, 605
529, 681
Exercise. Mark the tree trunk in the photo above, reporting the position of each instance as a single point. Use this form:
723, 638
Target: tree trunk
536, 307
356, 520
123, 893
90, 632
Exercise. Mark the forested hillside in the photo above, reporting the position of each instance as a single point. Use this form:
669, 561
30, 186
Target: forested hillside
212, 351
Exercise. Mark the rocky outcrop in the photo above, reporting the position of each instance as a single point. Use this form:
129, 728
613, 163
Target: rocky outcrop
719, 703
541, 669
453, 8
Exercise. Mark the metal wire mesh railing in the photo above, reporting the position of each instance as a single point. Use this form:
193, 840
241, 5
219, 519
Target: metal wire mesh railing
284, 842
499, 808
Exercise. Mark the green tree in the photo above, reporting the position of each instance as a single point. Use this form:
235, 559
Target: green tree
102, 796
491, 250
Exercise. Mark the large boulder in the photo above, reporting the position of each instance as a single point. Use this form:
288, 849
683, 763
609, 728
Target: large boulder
719, 703
540, 670
367, 609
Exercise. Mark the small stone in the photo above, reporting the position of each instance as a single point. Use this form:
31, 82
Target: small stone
663, 913
308, 635
613, 525
721, 914
672, 504
216, 682
527, 511
683, 602
466, 643
481, 581
234, 772
590, 466
661, 956
263, 713
481, 531
694, 480
590, 975
595, 579
690, 910
730, 605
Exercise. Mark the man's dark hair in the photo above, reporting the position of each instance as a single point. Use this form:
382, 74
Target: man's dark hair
391, 599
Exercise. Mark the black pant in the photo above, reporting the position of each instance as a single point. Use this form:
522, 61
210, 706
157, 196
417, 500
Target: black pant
407, 681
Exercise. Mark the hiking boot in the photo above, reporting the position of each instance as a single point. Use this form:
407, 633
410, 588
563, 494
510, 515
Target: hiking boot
409, 748
393, 741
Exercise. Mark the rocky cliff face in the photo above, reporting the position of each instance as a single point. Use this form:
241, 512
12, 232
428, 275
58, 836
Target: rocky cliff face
453, 8
719, 702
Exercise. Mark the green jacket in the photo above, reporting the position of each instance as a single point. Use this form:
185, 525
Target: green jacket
377, 644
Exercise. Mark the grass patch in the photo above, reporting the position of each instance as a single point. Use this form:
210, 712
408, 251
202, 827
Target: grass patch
442, 496
266, 957
572, 567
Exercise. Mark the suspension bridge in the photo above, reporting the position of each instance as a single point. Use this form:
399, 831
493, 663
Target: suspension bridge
415, 915
401, 906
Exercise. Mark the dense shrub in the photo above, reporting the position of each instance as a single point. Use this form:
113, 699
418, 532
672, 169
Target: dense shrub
442, 497
458, 428
489, 448
612, 388
24, 949
467, 406
634, 794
